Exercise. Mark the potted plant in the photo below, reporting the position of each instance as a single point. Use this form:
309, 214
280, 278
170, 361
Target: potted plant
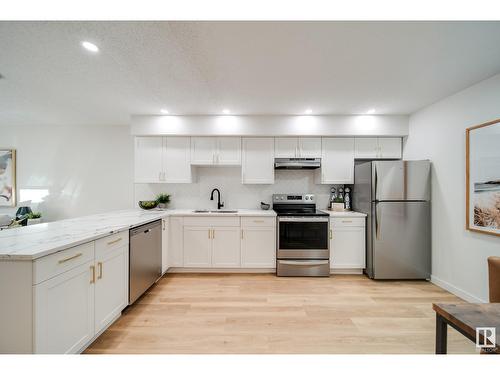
34, 218
338, 204
162, 200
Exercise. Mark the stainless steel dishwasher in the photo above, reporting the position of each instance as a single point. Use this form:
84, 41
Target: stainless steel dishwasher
144, 258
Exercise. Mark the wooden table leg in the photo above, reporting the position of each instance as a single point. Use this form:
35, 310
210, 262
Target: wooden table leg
441, 335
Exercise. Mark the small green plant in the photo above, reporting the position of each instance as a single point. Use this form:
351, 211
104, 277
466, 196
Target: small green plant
163, 198
34, 215
338, 200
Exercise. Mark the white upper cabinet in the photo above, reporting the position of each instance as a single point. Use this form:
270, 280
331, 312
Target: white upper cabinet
177, 160
203, 150
366, 148
378, 148
285, 147
309, 147
229, 151
297, 147
148, 159
215, 150
337, 161
257, 161
162, 160
390, 148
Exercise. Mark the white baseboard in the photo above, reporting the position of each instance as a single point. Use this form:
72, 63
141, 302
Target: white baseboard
455, 290
220, 270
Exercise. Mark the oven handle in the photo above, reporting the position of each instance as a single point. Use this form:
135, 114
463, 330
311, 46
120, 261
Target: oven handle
304, 219
303, 263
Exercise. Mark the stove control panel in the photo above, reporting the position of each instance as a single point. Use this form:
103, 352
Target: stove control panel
294, 198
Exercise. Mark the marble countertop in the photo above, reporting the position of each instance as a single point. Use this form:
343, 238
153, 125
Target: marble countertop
344, 213
36, 241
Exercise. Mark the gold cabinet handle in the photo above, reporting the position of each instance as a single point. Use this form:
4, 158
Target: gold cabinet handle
209, 233
213, 233
70, 258
347, 221
258, 221
114, 241
331, 234
242, 233
99, 266
92, 269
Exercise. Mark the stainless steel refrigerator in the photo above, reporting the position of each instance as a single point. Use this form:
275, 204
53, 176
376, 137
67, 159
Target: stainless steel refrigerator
396, 197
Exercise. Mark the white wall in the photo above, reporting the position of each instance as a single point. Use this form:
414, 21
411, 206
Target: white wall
438, 133
341, 126
234, 193
86, 169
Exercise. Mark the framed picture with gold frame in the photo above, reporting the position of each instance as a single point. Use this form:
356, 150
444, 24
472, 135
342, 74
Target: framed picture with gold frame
7, 178
483, 178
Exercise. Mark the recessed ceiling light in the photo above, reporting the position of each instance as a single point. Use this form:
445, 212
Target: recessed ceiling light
164, 111
370, 111
90, 46
226, 111
308, 111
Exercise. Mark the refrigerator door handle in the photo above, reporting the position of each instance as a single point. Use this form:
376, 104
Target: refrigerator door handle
377, 223
375, 182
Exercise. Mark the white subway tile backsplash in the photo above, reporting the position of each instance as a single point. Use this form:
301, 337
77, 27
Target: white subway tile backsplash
234, 193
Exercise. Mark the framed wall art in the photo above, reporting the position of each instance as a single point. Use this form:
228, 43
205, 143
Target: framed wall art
483, 178
8, 178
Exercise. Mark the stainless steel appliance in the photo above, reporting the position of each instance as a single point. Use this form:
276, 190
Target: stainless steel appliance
144, 258
396, 197
297, 163
302, 236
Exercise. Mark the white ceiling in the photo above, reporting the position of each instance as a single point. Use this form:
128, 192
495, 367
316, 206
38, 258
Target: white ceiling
249, 67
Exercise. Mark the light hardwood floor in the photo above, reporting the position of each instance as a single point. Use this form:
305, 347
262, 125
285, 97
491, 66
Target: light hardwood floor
261, 313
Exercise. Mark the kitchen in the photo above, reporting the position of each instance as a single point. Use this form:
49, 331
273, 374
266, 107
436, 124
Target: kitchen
282, 218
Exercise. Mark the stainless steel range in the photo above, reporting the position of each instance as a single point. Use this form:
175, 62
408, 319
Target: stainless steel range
303, 241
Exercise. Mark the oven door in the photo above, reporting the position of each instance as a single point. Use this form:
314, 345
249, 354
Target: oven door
303, 237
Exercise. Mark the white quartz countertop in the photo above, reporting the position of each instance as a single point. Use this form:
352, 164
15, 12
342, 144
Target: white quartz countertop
35, 241
344, 213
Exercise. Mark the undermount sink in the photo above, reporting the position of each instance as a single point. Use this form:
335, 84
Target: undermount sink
215, 211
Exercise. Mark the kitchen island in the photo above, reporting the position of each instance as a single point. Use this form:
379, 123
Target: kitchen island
63, 283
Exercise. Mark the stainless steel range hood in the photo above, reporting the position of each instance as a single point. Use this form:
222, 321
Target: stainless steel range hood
297, 163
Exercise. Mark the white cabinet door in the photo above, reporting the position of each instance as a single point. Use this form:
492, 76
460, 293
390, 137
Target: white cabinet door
347, 248
203, 150
285, 148
111, 286
177, 160
228, 151
258, 161
226, 247
176, 242
148, 159
64, 311
389, 148
366, 148
197, 247
309, 147
164, 245
337, 161
258, 247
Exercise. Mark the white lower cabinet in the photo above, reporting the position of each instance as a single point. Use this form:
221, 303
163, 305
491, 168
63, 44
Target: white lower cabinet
206, 246
111, 286
76, 298
226, 247
347, 243
164, 245
197, 246
258, 247
64, 311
